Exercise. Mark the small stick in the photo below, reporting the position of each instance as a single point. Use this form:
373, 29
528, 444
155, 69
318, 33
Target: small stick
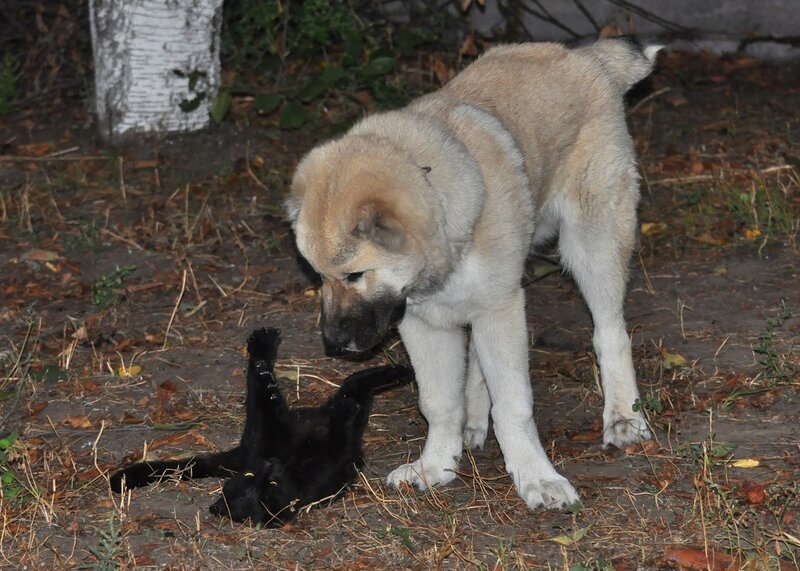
174, 310
122, 239
21, 159
122, 181
646, 277
721, 346
250, 171
648, 98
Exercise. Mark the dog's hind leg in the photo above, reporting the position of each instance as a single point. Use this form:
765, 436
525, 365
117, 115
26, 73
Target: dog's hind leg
597, 255
438, 356
478, 403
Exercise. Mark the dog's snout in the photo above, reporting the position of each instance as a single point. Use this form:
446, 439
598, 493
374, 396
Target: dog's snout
338, 334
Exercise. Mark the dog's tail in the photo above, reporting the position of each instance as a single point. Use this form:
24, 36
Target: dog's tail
627, 61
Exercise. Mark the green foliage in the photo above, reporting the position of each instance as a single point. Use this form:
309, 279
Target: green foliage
651, 404
777, 367
221, 106
9, 74
405, 537
108, 549
310, 53
705, 452
10, 487
600, 564
106, 287
193, 78
767, 209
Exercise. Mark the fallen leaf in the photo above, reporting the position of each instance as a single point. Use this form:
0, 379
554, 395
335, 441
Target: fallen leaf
651, 228
755, 493
168, 386
88, 475
707, 238
185, 415
36, 407
570, 539
131, 371
129, 418
746, 463
34, 149
694, 559
78, 422
290, 374
751, 234
589, 436
646, 447
672, 360
38, 255
81, 334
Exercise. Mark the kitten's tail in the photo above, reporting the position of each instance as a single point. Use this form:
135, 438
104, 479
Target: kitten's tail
141, 474
363, 384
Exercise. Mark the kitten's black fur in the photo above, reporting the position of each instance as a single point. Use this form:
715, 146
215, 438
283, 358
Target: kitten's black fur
286, 458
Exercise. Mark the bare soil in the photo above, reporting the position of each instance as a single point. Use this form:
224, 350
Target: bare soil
196, 222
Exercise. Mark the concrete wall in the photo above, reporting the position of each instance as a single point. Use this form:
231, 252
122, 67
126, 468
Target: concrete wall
763, 28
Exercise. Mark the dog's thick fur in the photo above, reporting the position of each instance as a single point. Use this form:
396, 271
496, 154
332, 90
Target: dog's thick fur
432, 209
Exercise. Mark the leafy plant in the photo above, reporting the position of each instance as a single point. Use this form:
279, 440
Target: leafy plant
9, 74
108, 549
766, 210
777, 367
318, 50
651, 404
405, 537
193, 77
10, 486
106, 287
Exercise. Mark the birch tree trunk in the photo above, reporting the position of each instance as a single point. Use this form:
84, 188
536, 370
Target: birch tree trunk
156, 64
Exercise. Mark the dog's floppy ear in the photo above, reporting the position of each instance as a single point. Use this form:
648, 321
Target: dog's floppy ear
378, 224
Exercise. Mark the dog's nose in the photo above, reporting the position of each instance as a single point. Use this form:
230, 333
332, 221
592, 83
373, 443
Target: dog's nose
337, 335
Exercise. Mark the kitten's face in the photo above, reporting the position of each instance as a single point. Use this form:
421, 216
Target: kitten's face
260, 496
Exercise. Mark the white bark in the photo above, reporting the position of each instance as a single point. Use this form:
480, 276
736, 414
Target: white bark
145, 52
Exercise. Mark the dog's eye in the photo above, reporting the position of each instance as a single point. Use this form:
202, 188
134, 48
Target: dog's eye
354, 277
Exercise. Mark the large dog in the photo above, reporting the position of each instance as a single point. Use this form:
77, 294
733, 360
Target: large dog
427, 214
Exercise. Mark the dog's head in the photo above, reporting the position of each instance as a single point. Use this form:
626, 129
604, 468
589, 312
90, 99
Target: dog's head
364, 220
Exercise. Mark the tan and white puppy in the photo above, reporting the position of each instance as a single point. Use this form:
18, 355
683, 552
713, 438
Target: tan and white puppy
427, 214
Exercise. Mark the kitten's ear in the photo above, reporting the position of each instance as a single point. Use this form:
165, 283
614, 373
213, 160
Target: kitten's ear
377, 223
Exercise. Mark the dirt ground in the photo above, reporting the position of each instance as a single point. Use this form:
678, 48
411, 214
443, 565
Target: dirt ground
132, 276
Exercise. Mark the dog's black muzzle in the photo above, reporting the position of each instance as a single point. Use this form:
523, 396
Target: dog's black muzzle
362, 327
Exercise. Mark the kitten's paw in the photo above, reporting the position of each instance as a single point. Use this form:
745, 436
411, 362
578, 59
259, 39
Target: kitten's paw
263, 344
550, 492
421, 476
622, 430
474, 437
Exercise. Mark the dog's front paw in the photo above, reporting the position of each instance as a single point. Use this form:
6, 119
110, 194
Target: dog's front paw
422, 476
475, 436
621, 430
551, 492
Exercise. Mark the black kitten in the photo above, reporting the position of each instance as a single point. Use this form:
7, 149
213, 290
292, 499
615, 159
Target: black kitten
286, 458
